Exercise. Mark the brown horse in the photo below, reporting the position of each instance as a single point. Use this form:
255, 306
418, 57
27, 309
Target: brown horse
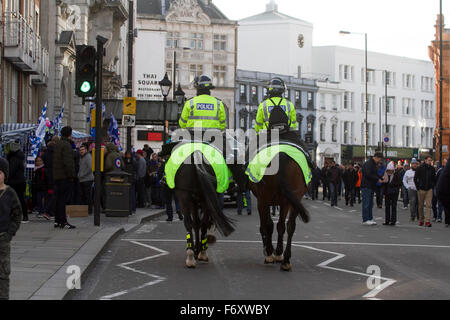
284, 189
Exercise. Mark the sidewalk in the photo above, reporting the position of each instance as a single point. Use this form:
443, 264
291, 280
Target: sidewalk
41, 254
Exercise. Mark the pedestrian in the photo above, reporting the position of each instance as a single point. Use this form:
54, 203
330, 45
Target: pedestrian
130, 167
10, 218
16, 180
40, 188
168, 195
315, 182
369, 181
325, 183
408, 183
334, 177
443, 191
440, 206
434, 201
76, 194
241, 197
350, 178
378, 190
156, 194
392, 182
140, 185
404, 190
48, 163
358, 183
424, 179
86, 177
64, 174
148, 152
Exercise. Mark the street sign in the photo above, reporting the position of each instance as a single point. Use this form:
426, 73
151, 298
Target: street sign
129, 106
129, 121
387, 140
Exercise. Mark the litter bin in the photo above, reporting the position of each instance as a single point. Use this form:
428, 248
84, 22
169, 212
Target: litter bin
117, 194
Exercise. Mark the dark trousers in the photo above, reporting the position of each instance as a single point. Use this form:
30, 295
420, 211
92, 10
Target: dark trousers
391, 208
240, 201
140, 190
367, 204
447, 215
334, 193
315, 190
358, 194
405, 197
5, 268
156, 196
76, 193
326, 190
51, 203
379, 196
63, 194
20, 190
133, 197
41, 201
86, 194
168, 195
350, 195
434, 203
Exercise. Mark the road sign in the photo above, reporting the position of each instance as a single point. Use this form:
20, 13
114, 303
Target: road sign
387, 140
129, 121
129, 106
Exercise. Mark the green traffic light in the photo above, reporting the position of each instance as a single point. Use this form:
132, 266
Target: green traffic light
85, 87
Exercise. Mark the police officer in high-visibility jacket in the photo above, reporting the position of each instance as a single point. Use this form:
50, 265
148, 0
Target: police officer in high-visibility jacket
277, 88
203, 111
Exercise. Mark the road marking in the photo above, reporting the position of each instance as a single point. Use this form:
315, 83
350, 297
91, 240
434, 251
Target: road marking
388, 282
125, 265
146, 228
315, 207
339, 208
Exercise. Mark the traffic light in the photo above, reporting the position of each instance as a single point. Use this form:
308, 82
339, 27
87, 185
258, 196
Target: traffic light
85, 71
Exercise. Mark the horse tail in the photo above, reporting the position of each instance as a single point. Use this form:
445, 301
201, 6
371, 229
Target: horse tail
287, 192
214, 208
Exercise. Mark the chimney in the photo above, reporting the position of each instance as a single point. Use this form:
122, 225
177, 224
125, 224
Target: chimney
272, 6
163, 7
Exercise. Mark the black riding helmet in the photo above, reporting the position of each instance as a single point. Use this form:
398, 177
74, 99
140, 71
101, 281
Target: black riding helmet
277, 87
203, 84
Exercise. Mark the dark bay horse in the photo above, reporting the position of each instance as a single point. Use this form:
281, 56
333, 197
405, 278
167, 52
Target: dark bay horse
195, 188
285, 189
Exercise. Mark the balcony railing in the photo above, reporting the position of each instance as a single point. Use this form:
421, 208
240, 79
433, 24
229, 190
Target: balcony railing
22, 44
43, 69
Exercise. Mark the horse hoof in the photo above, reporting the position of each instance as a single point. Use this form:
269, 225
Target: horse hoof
286, 267
211, 239
203, 256
269, 260
279, 259
190, 260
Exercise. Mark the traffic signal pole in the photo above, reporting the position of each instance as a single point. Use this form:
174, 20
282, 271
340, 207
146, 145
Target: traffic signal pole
98, 125
130, 61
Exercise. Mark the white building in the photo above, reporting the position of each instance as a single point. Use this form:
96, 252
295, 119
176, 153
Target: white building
411, 106
329, 100
273, 42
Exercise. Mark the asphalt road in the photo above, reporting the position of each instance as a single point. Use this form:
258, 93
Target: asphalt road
333, 257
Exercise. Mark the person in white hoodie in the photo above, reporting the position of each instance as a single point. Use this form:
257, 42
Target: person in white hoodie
408, 183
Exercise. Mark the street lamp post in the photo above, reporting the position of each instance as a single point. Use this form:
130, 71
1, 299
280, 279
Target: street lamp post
165, 85
366, 85
180, 96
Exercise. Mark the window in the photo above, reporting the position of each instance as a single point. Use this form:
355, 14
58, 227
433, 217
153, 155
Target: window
322, 101
322, 132
390, 105
195, 70
408, 106
288, 94
254, 94
408, 81
242, 93
346, 132
196, 41
333, 132
173, 40
348, 100
370, 76
389, 78
310, 100
427, 84
346, 72
334, 102
371, 98
427, 109
298, 99
220, 42
169, 70
264, 93
219, 76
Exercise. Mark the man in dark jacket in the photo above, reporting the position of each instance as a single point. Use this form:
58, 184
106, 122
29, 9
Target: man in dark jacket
443, 191
369, 181
350, 178
315, 182
63, 174
324, 179
48, 163
16, 179
130, 167
424, 180
334, 177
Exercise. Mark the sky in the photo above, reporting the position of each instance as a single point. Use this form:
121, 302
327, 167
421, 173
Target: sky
397, 27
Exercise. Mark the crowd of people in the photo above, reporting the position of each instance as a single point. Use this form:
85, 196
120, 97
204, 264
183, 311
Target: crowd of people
418, 184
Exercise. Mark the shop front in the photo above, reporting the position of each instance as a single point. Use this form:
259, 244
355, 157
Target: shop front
352, 154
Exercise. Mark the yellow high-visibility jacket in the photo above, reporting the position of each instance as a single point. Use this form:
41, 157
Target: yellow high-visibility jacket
264, 109
205, 112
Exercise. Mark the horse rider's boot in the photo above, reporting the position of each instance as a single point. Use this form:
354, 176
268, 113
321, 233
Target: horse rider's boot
190, 260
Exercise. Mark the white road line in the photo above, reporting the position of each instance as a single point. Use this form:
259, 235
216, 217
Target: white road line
339, 208
339, 256
315, 207
157, 279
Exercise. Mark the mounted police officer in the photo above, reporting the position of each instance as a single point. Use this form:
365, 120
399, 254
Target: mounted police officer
203, 111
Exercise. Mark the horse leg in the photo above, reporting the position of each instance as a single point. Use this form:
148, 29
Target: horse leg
190, 260
281, 228
286, 264
266, 230
196, 226
203, 256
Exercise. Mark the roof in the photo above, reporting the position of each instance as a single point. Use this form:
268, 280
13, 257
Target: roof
154, 7
273, 15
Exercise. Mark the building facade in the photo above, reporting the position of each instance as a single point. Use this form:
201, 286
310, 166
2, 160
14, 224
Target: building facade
251, 90
410, 108
434, 53
24, 62
68, 23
